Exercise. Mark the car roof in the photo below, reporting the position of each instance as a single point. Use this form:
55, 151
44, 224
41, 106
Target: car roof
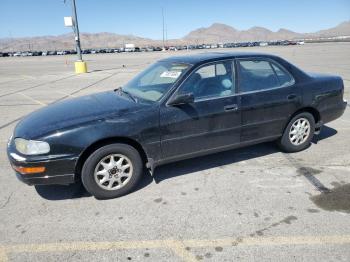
212, 56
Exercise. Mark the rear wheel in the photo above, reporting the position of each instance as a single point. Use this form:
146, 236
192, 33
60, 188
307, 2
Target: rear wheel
112, 171
298, 133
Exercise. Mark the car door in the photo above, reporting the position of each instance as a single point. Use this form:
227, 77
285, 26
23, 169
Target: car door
211, 122
269, 95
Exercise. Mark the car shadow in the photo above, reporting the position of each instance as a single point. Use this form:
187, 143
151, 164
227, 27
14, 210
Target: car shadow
77, 190
168, 171
227, 157
214, 160
326, 132
62, 192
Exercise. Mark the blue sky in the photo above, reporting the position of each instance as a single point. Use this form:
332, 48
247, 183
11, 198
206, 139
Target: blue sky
143, 17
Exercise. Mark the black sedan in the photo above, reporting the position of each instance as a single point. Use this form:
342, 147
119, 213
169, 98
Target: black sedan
178, 108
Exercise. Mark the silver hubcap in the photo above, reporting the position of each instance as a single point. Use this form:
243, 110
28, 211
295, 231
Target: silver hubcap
113, 172
299, 131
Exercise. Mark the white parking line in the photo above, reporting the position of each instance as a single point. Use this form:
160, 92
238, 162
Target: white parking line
63, 93
32, 99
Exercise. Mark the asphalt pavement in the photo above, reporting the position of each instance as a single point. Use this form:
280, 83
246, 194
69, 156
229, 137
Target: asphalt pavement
249, 204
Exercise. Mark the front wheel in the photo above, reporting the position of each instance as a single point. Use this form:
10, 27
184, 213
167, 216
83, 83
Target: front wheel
112, 171
298, 133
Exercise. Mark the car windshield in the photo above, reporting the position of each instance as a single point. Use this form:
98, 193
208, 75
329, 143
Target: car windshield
153, 83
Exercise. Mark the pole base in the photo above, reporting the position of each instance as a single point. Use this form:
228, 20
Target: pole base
80, 67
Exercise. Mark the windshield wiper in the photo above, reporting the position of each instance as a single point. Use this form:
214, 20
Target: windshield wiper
121, 90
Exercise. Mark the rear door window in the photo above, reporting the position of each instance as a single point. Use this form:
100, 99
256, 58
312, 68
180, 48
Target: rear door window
258, 74
255, 75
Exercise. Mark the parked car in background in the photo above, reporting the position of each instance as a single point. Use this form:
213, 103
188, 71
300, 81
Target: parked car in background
129, 47
178, 108
37, 53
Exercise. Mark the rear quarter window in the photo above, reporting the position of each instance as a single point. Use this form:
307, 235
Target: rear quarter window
284, 78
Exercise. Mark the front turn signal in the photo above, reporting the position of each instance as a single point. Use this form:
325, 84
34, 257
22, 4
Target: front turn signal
29, 170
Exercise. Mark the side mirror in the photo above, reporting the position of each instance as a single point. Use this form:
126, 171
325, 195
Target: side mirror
181, 99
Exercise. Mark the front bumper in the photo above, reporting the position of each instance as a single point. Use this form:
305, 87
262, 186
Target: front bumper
58, 170
47, 180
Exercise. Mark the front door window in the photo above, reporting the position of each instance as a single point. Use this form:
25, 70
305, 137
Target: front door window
210, 81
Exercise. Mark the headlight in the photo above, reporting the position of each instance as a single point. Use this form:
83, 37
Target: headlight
31, 147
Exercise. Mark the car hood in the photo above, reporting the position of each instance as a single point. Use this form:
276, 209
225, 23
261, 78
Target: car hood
74, 112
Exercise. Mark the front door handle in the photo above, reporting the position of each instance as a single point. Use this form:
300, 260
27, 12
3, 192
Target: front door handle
231, 108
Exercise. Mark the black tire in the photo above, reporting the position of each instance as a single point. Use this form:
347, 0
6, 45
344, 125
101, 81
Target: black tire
285, 142
94, 159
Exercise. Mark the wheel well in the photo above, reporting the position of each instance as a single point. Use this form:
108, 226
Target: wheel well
103, 142
310, 110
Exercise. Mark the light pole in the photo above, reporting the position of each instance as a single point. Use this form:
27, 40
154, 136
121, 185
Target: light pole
76, 31
80, 65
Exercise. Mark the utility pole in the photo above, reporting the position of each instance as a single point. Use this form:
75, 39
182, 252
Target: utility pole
166, 35
76, 31
163, 29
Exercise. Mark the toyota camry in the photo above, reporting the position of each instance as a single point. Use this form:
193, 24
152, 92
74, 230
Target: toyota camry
180, 107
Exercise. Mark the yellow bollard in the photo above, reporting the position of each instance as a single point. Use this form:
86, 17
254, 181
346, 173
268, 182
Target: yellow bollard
80, 67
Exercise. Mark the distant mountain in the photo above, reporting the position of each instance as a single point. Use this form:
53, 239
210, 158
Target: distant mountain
342, 29
223, 33
66, 42
215, 33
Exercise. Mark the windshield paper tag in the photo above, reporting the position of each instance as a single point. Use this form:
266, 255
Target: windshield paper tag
171, 74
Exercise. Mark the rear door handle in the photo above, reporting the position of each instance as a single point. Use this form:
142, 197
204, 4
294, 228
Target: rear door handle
292, 97
231, 108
